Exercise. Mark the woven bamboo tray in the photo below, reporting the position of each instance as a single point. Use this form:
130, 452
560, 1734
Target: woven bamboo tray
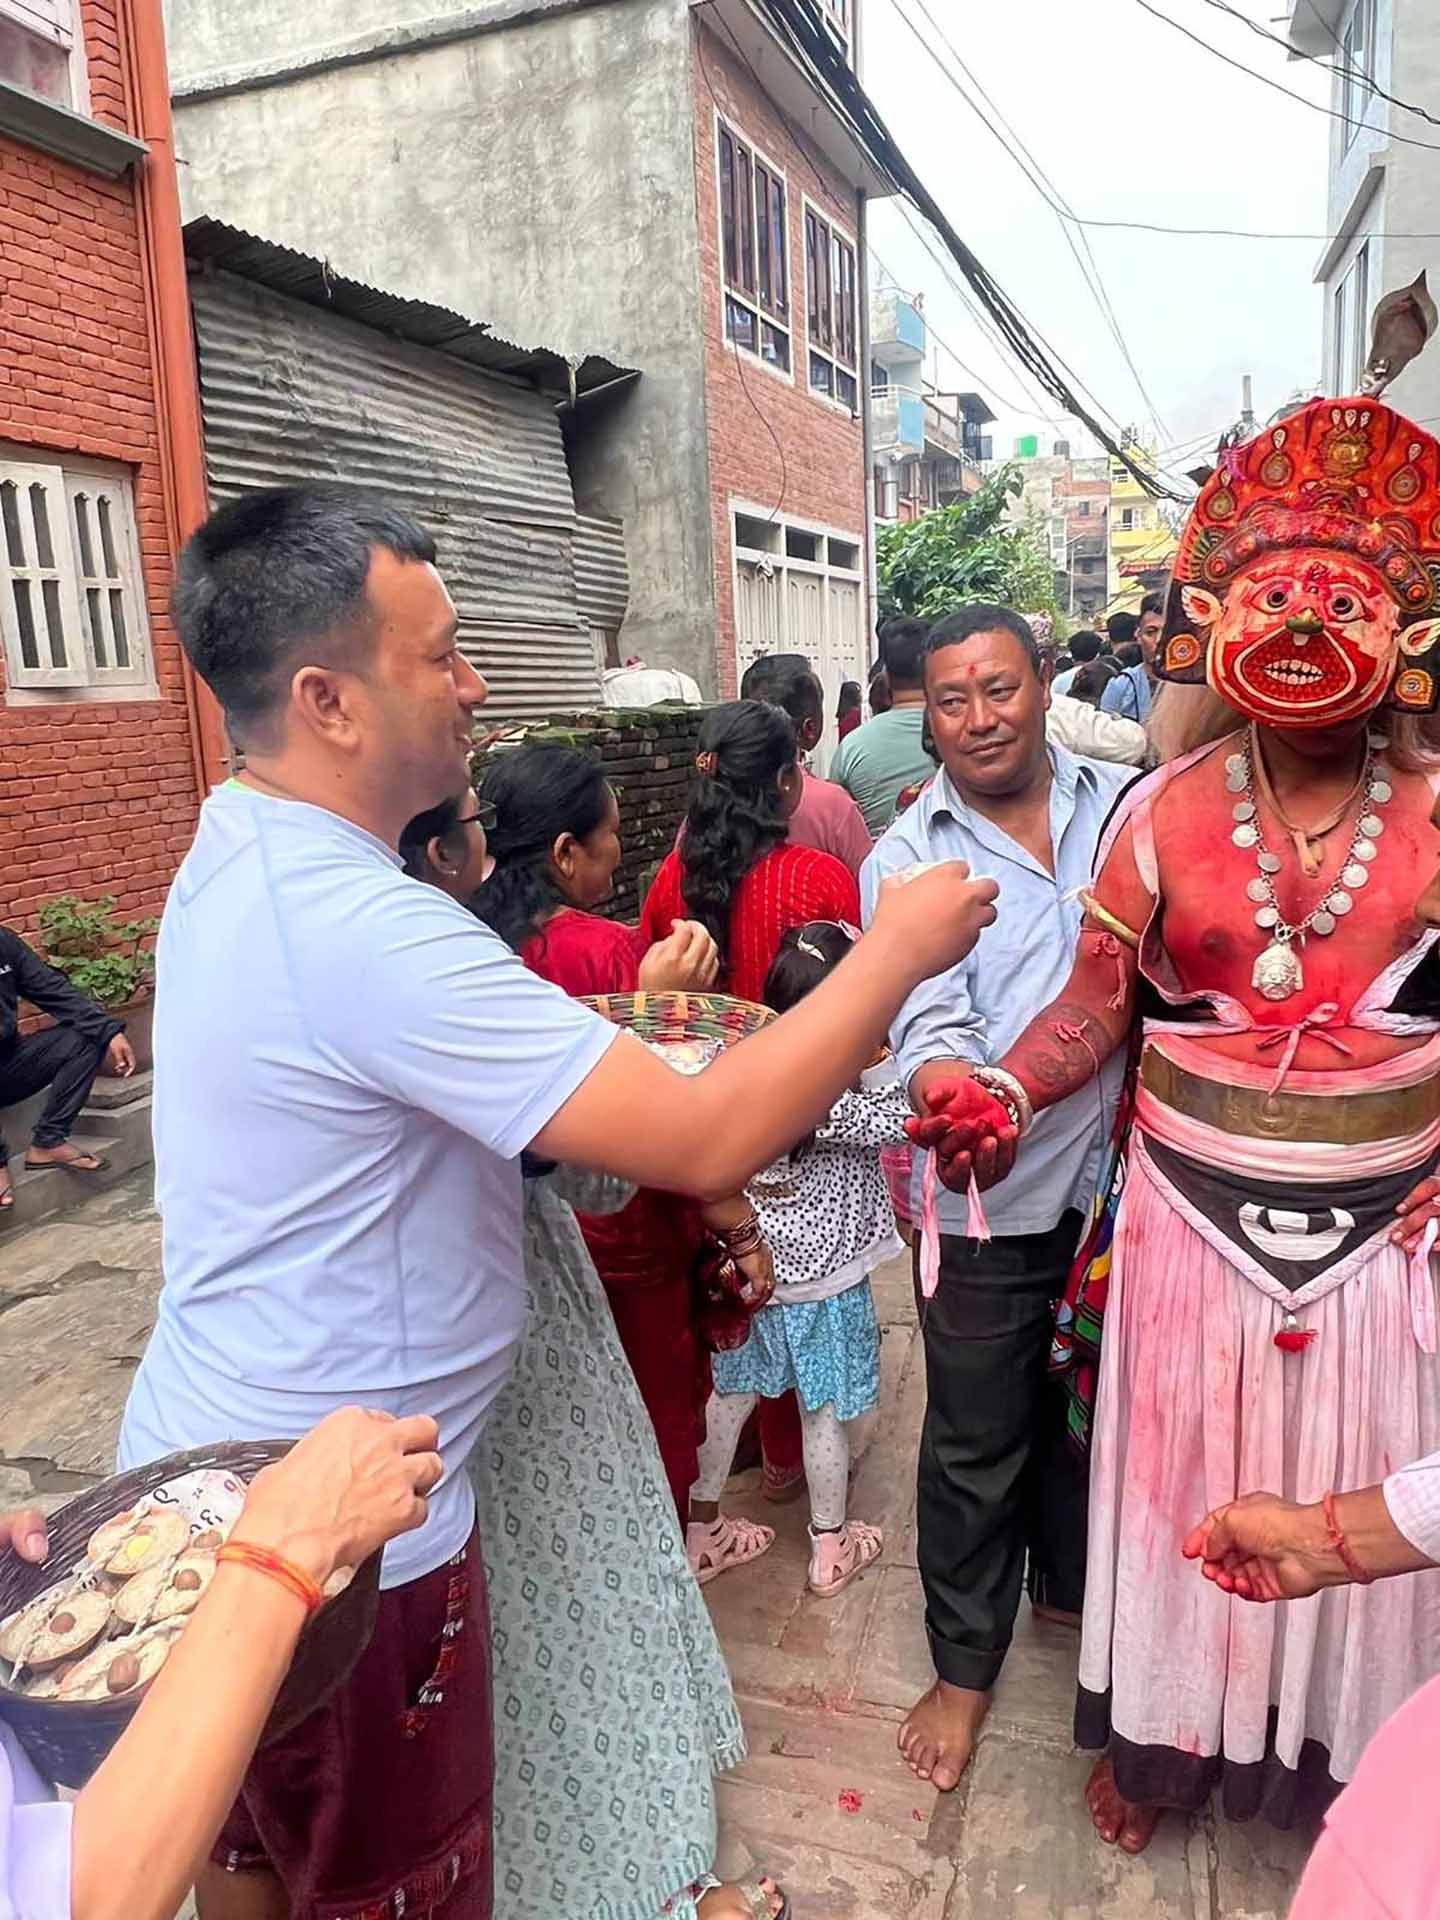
669, 1017
67, 1739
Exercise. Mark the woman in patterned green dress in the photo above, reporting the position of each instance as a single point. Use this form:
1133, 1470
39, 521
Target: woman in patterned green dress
613, 1706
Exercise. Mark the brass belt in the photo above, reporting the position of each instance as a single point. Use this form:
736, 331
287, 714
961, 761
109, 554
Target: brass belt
1348, 1119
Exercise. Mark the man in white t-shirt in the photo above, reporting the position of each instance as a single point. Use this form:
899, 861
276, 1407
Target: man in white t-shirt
347, 1067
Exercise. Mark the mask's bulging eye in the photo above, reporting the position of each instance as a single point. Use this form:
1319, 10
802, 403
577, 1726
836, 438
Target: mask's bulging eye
1275, 599
1344, 606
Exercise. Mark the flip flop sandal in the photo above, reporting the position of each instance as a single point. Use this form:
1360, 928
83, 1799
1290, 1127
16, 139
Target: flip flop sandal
753, 1893
714, 1547
69, 1166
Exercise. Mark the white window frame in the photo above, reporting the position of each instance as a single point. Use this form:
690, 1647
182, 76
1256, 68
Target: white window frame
57, 21
1356, 93
850, 369
838, 15
761, 314
1351, 313
88, 599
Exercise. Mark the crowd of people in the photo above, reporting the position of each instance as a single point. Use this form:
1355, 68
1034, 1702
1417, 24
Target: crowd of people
1136, 1035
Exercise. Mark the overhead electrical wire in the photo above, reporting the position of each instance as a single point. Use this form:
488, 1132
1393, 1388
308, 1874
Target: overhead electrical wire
803, 30
1332, 113
1322, 60
1025, 159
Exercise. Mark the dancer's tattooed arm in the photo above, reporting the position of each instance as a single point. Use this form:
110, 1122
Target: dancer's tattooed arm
1068, 1042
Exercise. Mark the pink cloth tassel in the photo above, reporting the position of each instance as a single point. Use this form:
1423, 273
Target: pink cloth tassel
1422, 1289
977, 1227
929, 1228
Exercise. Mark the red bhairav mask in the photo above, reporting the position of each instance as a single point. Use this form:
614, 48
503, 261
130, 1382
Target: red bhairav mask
1306, 586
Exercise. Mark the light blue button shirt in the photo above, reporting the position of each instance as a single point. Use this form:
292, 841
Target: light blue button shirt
979, 1008
1129, 694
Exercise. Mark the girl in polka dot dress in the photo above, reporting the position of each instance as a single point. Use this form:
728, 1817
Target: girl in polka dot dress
825, 1210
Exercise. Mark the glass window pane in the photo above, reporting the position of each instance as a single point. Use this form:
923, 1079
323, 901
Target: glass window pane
107, 544
82, 533
117, 624
781, 289
30, 60
54, 626
727, 202
99, 640
774, 346
745, 218
763, 265
29, 645
40, 520
739, 324
822, 374
845, 388
10, 514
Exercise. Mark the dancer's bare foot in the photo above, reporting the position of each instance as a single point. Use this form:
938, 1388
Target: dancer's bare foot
939, 1735
1119, 1823
737, 1902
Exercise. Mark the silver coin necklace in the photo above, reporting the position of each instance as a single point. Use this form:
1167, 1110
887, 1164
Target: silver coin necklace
1278, 972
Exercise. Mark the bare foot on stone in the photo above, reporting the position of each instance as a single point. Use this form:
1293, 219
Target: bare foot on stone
939, 1735
732, 1902
1119, 1823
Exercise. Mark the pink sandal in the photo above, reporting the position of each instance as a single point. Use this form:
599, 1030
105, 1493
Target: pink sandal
836, 1558
714, 1546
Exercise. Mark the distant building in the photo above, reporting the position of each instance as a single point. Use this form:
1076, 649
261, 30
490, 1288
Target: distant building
927, 447
1141, 545
1382, 191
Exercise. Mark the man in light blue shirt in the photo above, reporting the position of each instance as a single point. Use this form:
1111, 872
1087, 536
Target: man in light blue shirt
1132, 692
996, 1477
1083, 647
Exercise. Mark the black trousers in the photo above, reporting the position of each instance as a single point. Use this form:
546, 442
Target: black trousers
997, 1478
58, 1058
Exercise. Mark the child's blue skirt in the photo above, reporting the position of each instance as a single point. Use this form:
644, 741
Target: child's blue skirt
828, 1350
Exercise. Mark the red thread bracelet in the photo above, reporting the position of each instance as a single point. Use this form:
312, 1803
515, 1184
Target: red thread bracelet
242, 1553
1341, 1545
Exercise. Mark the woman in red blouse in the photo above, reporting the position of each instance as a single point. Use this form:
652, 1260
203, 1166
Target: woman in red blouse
555, 840
734, 870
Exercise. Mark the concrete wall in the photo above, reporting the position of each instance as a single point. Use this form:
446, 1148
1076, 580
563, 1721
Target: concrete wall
537, 175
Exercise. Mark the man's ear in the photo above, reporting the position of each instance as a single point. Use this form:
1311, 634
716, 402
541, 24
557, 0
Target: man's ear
322, 702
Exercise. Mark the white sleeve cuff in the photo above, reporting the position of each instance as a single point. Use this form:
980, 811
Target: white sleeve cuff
1412, 1495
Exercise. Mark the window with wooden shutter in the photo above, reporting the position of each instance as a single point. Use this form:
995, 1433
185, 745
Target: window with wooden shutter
40, 50
754, 241
831, 292
71, 603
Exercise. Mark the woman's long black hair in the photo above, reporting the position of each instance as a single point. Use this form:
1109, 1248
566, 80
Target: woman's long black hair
538, 793
436, 823
736, 813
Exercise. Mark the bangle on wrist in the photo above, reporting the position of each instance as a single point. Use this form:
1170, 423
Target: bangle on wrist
1009, 1091
244, 1553
1341, 1545
743, 1237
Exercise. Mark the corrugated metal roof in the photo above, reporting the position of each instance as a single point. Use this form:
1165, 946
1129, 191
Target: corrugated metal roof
291, 393
302, 277
602, 577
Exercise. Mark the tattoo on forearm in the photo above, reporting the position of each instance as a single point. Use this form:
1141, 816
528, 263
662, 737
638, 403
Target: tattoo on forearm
1060, 1051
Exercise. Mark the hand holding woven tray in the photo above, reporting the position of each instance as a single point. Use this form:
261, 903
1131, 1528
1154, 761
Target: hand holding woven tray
670, 1018
67, 1739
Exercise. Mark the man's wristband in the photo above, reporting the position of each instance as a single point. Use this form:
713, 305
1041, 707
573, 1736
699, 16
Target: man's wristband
243, 1553
1005, 1088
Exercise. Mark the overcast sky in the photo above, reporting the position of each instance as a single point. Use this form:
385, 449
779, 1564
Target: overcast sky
1131, 122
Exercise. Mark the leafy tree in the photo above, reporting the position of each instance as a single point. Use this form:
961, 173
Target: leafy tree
964, 552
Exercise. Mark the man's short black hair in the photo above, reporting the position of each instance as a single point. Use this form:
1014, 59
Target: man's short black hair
1152, 603
1085, 645
983, 618
1121, 628
902, 649
1130, 653
278, 576
785, 680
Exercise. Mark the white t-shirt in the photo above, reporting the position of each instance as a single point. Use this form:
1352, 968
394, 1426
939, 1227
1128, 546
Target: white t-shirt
34, 1841
347, 1064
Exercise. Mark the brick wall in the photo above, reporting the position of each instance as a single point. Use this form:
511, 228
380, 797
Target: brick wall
94, 797
648, 756
824, 479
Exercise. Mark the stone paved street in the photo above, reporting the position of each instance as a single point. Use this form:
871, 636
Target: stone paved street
823, 1683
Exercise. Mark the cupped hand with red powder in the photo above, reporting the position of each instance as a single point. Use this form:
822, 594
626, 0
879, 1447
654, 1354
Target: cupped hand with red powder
967, 1129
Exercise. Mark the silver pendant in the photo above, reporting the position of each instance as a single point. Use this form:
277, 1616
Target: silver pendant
1339, 901
1278, 972
1268, 917
1268, 862
1323, 922
1236, 780
1243, 810
1381, 791
1366, 851
1258, 891
1245, 836
1354, 876
1235, 763
1372, 826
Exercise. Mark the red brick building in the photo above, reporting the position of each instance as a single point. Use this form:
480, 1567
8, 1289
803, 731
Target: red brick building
781, 256
104, 747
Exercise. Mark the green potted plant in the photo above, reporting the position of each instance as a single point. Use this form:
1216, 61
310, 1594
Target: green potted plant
108, 959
